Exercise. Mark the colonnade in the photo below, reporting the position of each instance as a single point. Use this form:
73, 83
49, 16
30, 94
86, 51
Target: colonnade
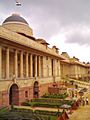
30, 59
24, 64
0, 61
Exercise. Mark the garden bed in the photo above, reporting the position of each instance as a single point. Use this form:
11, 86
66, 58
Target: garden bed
57, 96
49, 103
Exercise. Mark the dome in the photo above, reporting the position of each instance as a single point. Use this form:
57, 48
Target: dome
15, 18
17, 24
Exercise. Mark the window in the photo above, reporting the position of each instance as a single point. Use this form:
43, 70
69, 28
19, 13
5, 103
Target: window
46, 57
26, 94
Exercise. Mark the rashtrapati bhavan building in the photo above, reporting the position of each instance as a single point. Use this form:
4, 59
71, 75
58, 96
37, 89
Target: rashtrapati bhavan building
28, 66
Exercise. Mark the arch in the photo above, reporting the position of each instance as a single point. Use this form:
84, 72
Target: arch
14, 94
36, 89
9, 86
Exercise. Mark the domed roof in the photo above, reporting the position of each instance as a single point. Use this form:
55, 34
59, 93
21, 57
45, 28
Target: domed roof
15, 18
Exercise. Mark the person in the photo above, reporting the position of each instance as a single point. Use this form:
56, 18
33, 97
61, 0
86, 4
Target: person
86, 100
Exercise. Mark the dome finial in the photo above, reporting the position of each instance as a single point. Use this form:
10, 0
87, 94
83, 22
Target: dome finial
15, 14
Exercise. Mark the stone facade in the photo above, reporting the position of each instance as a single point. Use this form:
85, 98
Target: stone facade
73, 68
28, 66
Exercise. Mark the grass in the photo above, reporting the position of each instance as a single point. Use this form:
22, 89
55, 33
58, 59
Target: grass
3, 110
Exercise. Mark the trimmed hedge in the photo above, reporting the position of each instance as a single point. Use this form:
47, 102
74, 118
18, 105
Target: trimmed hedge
47, 103
22, 109
49, 100
59, 96
22, 113
45, 112
41, 112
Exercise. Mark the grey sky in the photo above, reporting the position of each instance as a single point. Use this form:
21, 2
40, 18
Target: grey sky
52, 17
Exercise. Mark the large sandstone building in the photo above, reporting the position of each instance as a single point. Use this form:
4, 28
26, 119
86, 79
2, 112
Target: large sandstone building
28, 66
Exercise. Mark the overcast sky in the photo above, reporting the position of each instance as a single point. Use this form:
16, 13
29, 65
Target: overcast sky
64, 23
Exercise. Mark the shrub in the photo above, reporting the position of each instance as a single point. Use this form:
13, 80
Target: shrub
45, 112
49, 103
59, 96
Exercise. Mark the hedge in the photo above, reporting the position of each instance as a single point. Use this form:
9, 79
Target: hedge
48, 104
59, 96
45, 112
49, 100
38, 112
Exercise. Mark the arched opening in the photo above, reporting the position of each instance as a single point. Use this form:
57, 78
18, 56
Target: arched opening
14, 95
36, 90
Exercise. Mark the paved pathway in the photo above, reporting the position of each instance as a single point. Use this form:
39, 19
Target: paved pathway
40, 108
83, 113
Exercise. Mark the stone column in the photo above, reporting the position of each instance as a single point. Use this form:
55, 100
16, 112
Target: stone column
7, 63
0, 62
16, 64
42, 71
31, 66
54, 68
39, 68
21, 64
26, 64
35, 66
59, 69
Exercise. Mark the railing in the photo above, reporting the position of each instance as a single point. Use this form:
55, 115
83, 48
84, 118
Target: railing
83, 83
77, 76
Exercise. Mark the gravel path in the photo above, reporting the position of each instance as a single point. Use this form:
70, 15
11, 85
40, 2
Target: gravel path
83, 112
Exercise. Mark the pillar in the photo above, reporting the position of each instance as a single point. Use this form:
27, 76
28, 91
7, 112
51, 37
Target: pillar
21, 64
0, 62
39, 67
7, 63
35, 66
16, 64
26, 64
54, 67
31, 66
42, 71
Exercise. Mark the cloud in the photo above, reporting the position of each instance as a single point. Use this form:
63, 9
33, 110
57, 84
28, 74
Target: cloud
56, 21
52, 16
79, 35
